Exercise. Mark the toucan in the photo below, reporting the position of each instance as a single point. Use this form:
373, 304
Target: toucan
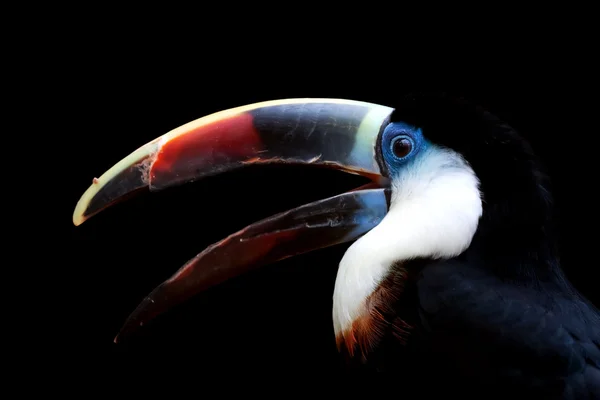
453, 269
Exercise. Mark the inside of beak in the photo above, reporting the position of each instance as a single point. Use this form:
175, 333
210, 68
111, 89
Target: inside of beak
340, 134
323, 223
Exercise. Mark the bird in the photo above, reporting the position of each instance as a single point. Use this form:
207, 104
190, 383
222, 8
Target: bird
453, 269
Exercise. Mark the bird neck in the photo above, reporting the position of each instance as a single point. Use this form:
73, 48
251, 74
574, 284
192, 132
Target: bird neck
434, 213
516, 237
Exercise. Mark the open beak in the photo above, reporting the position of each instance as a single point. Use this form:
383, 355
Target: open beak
340, 134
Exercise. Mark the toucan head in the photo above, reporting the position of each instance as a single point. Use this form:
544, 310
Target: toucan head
434, 170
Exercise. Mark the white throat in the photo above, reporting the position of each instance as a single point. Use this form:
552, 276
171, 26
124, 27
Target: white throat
435, 209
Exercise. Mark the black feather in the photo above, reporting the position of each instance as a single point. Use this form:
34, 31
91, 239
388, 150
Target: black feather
510, 338
502, 316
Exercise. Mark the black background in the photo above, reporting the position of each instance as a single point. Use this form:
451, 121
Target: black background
123, 93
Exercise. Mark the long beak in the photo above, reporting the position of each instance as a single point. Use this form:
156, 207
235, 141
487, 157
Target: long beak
340, 134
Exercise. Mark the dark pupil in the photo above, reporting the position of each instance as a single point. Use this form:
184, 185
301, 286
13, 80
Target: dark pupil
402, 147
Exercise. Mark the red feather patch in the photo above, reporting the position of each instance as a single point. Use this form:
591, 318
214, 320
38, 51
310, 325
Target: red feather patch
377, 319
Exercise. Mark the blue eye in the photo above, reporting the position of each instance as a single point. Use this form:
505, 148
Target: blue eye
400, 143
401, 146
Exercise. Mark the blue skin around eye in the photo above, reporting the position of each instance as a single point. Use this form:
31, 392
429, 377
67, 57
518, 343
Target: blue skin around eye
401, 130
373, 203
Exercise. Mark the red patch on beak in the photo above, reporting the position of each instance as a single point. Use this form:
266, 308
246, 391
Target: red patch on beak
224, 141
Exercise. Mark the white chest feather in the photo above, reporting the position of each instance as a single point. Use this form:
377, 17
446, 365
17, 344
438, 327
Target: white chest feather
435, 209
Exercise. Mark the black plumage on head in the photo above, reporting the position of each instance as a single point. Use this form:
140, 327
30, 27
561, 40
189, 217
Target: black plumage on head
517, 227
